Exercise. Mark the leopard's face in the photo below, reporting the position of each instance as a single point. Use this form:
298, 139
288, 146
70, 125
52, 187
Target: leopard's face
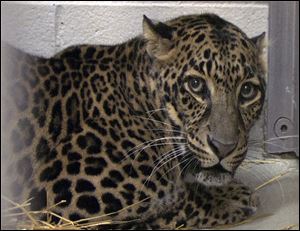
213, 85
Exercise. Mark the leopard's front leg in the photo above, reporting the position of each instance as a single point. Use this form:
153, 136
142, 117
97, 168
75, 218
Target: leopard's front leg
204, 207
228, 204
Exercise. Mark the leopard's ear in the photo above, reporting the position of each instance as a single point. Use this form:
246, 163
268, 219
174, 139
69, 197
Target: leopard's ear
159, 37
260, 43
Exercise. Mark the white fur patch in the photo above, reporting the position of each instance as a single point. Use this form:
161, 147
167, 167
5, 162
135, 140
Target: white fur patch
209, 178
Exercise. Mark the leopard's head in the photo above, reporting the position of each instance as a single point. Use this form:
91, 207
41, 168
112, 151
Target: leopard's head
212, 83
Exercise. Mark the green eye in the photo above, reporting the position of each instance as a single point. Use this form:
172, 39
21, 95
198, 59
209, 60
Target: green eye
196, 85
248, 91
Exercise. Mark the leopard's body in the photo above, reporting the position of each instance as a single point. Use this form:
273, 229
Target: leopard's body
123, 129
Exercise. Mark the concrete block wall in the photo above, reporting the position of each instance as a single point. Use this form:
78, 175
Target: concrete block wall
44, 28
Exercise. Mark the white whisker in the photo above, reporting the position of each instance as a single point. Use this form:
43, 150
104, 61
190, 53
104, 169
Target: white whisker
154, 120
148, 144
180, 162
158, 165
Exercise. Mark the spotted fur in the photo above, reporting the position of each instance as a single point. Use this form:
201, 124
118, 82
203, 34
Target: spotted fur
139, 130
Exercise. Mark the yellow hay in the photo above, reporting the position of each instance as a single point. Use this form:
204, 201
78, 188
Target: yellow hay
23, 209
272, 179
289, 227
268, 161
64, 223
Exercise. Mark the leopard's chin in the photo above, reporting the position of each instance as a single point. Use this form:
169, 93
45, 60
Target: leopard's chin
213, 176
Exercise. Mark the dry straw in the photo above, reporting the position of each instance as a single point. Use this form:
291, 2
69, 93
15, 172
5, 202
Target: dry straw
31, 221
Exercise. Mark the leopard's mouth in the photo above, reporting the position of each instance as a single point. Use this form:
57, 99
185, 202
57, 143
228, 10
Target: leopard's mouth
212, 176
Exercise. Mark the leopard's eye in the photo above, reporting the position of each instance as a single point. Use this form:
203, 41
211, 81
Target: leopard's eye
196, 85
248, 91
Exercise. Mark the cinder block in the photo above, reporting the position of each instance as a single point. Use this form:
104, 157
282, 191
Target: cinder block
115, 23
47, 27
30, 27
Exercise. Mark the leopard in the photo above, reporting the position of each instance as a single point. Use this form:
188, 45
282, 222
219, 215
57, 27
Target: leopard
148, 133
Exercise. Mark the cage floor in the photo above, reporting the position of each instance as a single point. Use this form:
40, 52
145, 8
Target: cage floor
279, 200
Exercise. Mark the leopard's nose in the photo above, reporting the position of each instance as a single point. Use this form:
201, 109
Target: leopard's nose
222, 150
